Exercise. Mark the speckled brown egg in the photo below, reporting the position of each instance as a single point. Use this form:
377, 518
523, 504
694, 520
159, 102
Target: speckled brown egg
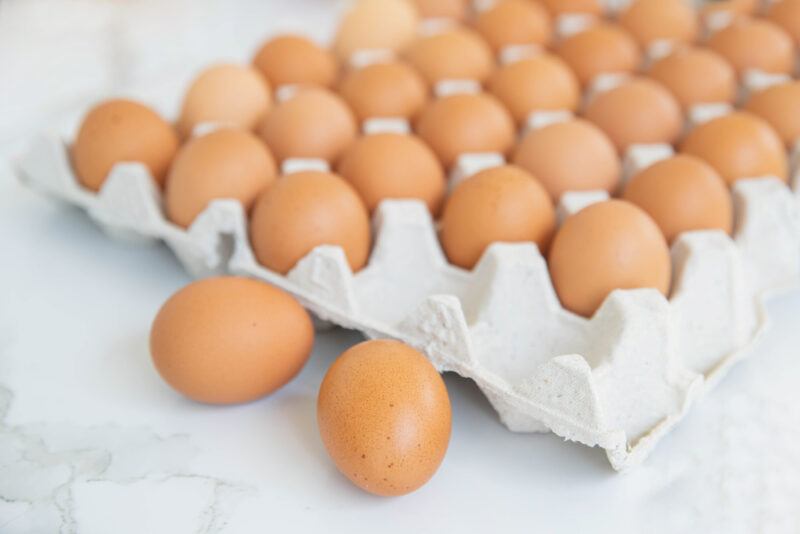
230, 340
682, 193
314, 123
466, 123
606, 246
117, 131
457, 54
786, 14
638, 111
738, 145
456, 10
696, 76
296, 60
567, 7
375, 25
392, 89
566, 156
540, 83
226, 163
650, 21
514, 22
779, 105
600, 49
390, 165
384, 417
498, 204
304, 210
754, 44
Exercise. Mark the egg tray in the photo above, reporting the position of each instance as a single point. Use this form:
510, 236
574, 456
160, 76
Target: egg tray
619, 380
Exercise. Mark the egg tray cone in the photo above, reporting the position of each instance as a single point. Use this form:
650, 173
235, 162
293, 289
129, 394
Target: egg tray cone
620, 380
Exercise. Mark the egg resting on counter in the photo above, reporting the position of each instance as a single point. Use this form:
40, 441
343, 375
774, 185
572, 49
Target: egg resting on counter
779, 105
296, 60
600, 49
514, 22
375, 25
696, 76
650, 21
456, 54
384, 90
786, 14
754, 44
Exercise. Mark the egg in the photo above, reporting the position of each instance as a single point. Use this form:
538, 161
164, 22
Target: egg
786, 14
650, 21
638, 111
574, 155
384, 417
779, 105
117, 131
754, 44
304, 210
568, 7
226, 163
296, 60
392, 89
456, 54
540, 83
727, 10
738, 145
696, 76
232, 95
375, 25
465, 123
230, 340
314, 123
514, 22
391, 165
682, 193
503, 203
606, 246
442, 9
600, 49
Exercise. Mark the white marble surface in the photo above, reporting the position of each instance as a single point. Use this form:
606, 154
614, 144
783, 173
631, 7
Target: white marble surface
91, 440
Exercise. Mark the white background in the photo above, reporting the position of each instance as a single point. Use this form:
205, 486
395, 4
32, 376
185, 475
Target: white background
91, 440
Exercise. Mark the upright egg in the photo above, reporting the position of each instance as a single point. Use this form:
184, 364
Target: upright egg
456, 54
696, 76
304, 210
375, 25
384, 417
606, 246
314, 123
638, 111
650, 21
390, 165
755, 44
456, 10
574, 155
296, 60
682, 193
117, 131
779, 105
392, 89
573, 7
738, 145
786, 14
540, 83
498, 204
514, 22
600, 49
226, 163
465, 123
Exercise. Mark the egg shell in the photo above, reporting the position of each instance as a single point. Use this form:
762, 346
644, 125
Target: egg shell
682, 193
606, 246
738, 145
375, 24
456, 10
391, 89
755, 44
314, 123
573, 155
296, 60
696, 76
568, 7
230, 340
117, 131
779, 105
600, 49
514, 22
457, 54
384, 416
650, 21
786, 14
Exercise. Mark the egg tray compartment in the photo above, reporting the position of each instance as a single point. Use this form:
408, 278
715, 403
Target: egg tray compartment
619, 380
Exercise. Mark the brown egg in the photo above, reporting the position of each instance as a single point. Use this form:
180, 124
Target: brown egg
570, 156
738, 145
754, 44
122, 131
786, 14
600, 49
292, 59
390, 165
229, 340
376, 25
226, 163
696, 76
606, 246
314, 123
660, 20
463, 123
567, 7
304, 210
458, 54
384, 417
639, 110
514, 22
682, 193
541, 83
498, 204
730, 9
384, 90
779, 105
442, 9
